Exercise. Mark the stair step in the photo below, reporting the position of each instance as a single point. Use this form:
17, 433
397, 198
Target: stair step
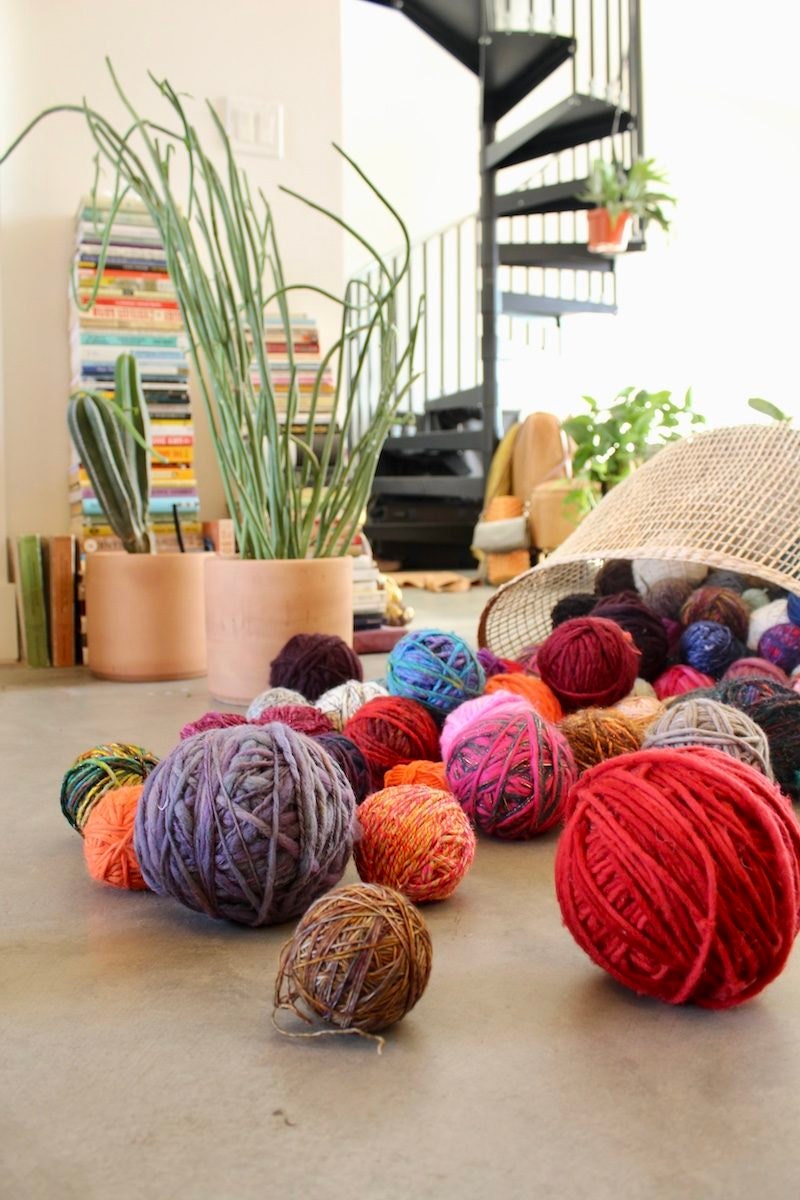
470, 399
553, 197
519, 304
573, 122
419, 531
465, 487
569, 255
456, 26
516, 63
439, 439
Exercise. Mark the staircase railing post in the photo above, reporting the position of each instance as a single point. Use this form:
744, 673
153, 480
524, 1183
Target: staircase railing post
635, 76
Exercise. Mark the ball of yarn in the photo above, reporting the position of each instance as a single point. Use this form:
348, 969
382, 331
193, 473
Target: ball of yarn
312, 663
579, 604
537, 694
391, 730
416, 839
108, 839
755, 597
436, 669
250, 824
744, 693
432, 774
703, 721
743, 667
511, 772
774, 613
781, 645
494, 665
493, 699
779, 717
677, 873
615, 575
678, 680
731, 580
349, 758
341, 702
595, 734
588, 661
793, 608
640, 711
649, 571
526, 660
212, 720
359, 960
116, 764
274, 698
303, 718
710, 647
641, 687
718, 604
667, 597
646, 629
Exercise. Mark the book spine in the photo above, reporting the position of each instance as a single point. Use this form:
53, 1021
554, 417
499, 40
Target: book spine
33, 609
60, 555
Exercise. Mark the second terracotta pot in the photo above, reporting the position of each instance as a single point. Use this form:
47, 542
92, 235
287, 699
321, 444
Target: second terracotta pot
254, 606
607, 234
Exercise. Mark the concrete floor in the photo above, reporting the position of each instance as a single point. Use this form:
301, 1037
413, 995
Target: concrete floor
139, 1061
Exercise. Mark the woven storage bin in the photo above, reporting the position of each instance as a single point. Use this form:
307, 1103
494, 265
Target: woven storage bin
727, 498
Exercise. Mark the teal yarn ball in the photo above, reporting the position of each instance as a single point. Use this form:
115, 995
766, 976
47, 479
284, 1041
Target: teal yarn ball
436, 669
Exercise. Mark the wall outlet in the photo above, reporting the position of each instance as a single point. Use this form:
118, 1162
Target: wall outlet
254, 126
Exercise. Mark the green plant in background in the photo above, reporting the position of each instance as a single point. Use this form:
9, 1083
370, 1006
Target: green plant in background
112, 438
768, 409
285, 499
620, 189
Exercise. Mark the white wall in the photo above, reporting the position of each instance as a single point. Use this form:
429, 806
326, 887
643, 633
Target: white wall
52, 52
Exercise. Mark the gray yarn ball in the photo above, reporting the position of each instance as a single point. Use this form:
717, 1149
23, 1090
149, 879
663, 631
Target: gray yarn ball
701, 721
274, 698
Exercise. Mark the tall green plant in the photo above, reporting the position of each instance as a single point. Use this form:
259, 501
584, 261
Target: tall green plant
223, 256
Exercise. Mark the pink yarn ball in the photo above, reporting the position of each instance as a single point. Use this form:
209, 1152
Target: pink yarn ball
527, 659
679, 679
781, 645
212, 720
755, 666
474, 710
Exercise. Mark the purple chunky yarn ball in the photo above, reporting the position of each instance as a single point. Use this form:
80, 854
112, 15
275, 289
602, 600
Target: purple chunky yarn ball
781, 645
251, 824
312, 663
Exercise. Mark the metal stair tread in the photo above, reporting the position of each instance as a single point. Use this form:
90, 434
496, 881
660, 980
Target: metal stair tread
568, 255
520, 304
466, 487
551, 197
471, 399
572, 122
437, 439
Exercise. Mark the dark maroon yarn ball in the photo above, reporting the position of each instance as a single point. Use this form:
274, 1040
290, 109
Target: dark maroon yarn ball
578, 604
300, 717
588, 661
346, 754
311, 663
645, 627
614, 599
616, 575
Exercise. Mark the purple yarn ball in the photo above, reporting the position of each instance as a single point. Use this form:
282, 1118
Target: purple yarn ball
346, 754
492, 665
251, 824
710, 647
781, 645
313, 663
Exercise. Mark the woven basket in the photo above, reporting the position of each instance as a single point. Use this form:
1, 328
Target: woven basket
728, 499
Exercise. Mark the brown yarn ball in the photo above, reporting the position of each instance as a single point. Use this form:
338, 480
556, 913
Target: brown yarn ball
616, 575
640, 711
359, 960
312, 663
596, 734
722, 605
666, 597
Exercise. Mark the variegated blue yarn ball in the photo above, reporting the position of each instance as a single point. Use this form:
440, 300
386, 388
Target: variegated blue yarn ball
793, 608
710, 647
436, 669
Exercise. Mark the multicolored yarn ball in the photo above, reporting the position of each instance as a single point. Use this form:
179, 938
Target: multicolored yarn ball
108, 839
341, 702
678, 680
491, 701
779, 717
646, 629
116, 764
494, 665
781, 645
718, 604
416, 839
212, 720
250, 824
793, 608
702, 721
762, 619
677, 873
745, 692
615, 575
274, 698
595, 734
303, 718
358, 961
436, 669
392, 730
432, 774
649, 571
743, 667
640, 711
731, 580
511, 773
539, 695
312, 663
588, 661
578, 604
349, 758
710, 647
667, 597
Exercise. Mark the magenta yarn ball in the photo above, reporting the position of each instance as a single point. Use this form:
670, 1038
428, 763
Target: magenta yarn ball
211, 720
511, 773
313, 663
677, 680
302, 717
781, 645
474, 710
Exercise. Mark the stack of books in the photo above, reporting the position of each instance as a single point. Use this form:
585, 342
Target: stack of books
45, 576
369, 596
307, 359
136, 311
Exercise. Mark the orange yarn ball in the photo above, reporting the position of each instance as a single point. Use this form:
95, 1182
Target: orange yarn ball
416, 839
531, 688
108, 839
421, 771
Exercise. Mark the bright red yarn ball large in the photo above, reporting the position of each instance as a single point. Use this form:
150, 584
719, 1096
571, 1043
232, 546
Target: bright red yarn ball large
678, 873
588, 661
390, 730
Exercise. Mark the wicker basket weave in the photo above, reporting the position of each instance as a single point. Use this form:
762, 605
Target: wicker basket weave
728, 498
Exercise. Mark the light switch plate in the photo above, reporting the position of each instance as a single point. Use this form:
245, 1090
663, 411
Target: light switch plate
254, 126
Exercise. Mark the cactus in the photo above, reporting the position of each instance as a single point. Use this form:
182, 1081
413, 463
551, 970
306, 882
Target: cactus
113, 441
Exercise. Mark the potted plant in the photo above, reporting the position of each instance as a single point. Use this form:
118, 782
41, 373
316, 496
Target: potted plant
145, 612
620, 193
295, 507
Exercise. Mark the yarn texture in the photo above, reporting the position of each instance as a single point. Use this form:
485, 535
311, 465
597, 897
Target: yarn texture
482, 706
710, 647
304, 718
349, 758
718, 604
678, 680
649, 571
726, 579
578, 604
250, 824
793, 608
436, 669
646, 629
755, 666
534, 691
667, 597
274, 698
702, 721
588, 661
640, 711
343, 701
108, 839
754, 598
94, 772
312, 663
781, 645
677, 873
211, 720
494, 665
779, 717
391, 730
744, 693
416, 839
762, 619
595, 734
615, 575
432, 774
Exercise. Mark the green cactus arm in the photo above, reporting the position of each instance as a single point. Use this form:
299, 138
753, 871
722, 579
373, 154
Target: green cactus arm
130, 398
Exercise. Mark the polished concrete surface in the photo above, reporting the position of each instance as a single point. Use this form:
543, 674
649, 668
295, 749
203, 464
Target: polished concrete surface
139, 1060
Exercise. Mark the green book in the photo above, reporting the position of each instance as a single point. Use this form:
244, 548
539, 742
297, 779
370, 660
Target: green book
32, 600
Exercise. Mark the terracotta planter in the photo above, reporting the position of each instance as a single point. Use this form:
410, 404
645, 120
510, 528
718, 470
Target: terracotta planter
253, 607
145, 616
608, 235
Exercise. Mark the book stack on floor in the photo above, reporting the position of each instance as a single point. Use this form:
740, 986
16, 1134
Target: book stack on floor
306, 356
369, 596
136, 310
45, 576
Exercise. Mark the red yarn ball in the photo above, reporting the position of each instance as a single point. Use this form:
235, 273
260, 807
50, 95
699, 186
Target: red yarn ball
679, 679
647, 629
744, 667
588, 661
511, 773
302, 717
311, 663
212, 720
678, 874
390, 730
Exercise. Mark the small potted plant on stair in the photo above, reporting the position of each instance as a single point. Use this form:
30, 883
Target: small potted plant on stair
619, 194
145, 612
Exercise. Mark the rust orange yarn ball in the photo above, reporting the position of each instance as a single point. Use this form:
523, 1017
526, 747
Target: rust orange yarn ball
421, 771
595, 734
416, 839
108, 839
540, 697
